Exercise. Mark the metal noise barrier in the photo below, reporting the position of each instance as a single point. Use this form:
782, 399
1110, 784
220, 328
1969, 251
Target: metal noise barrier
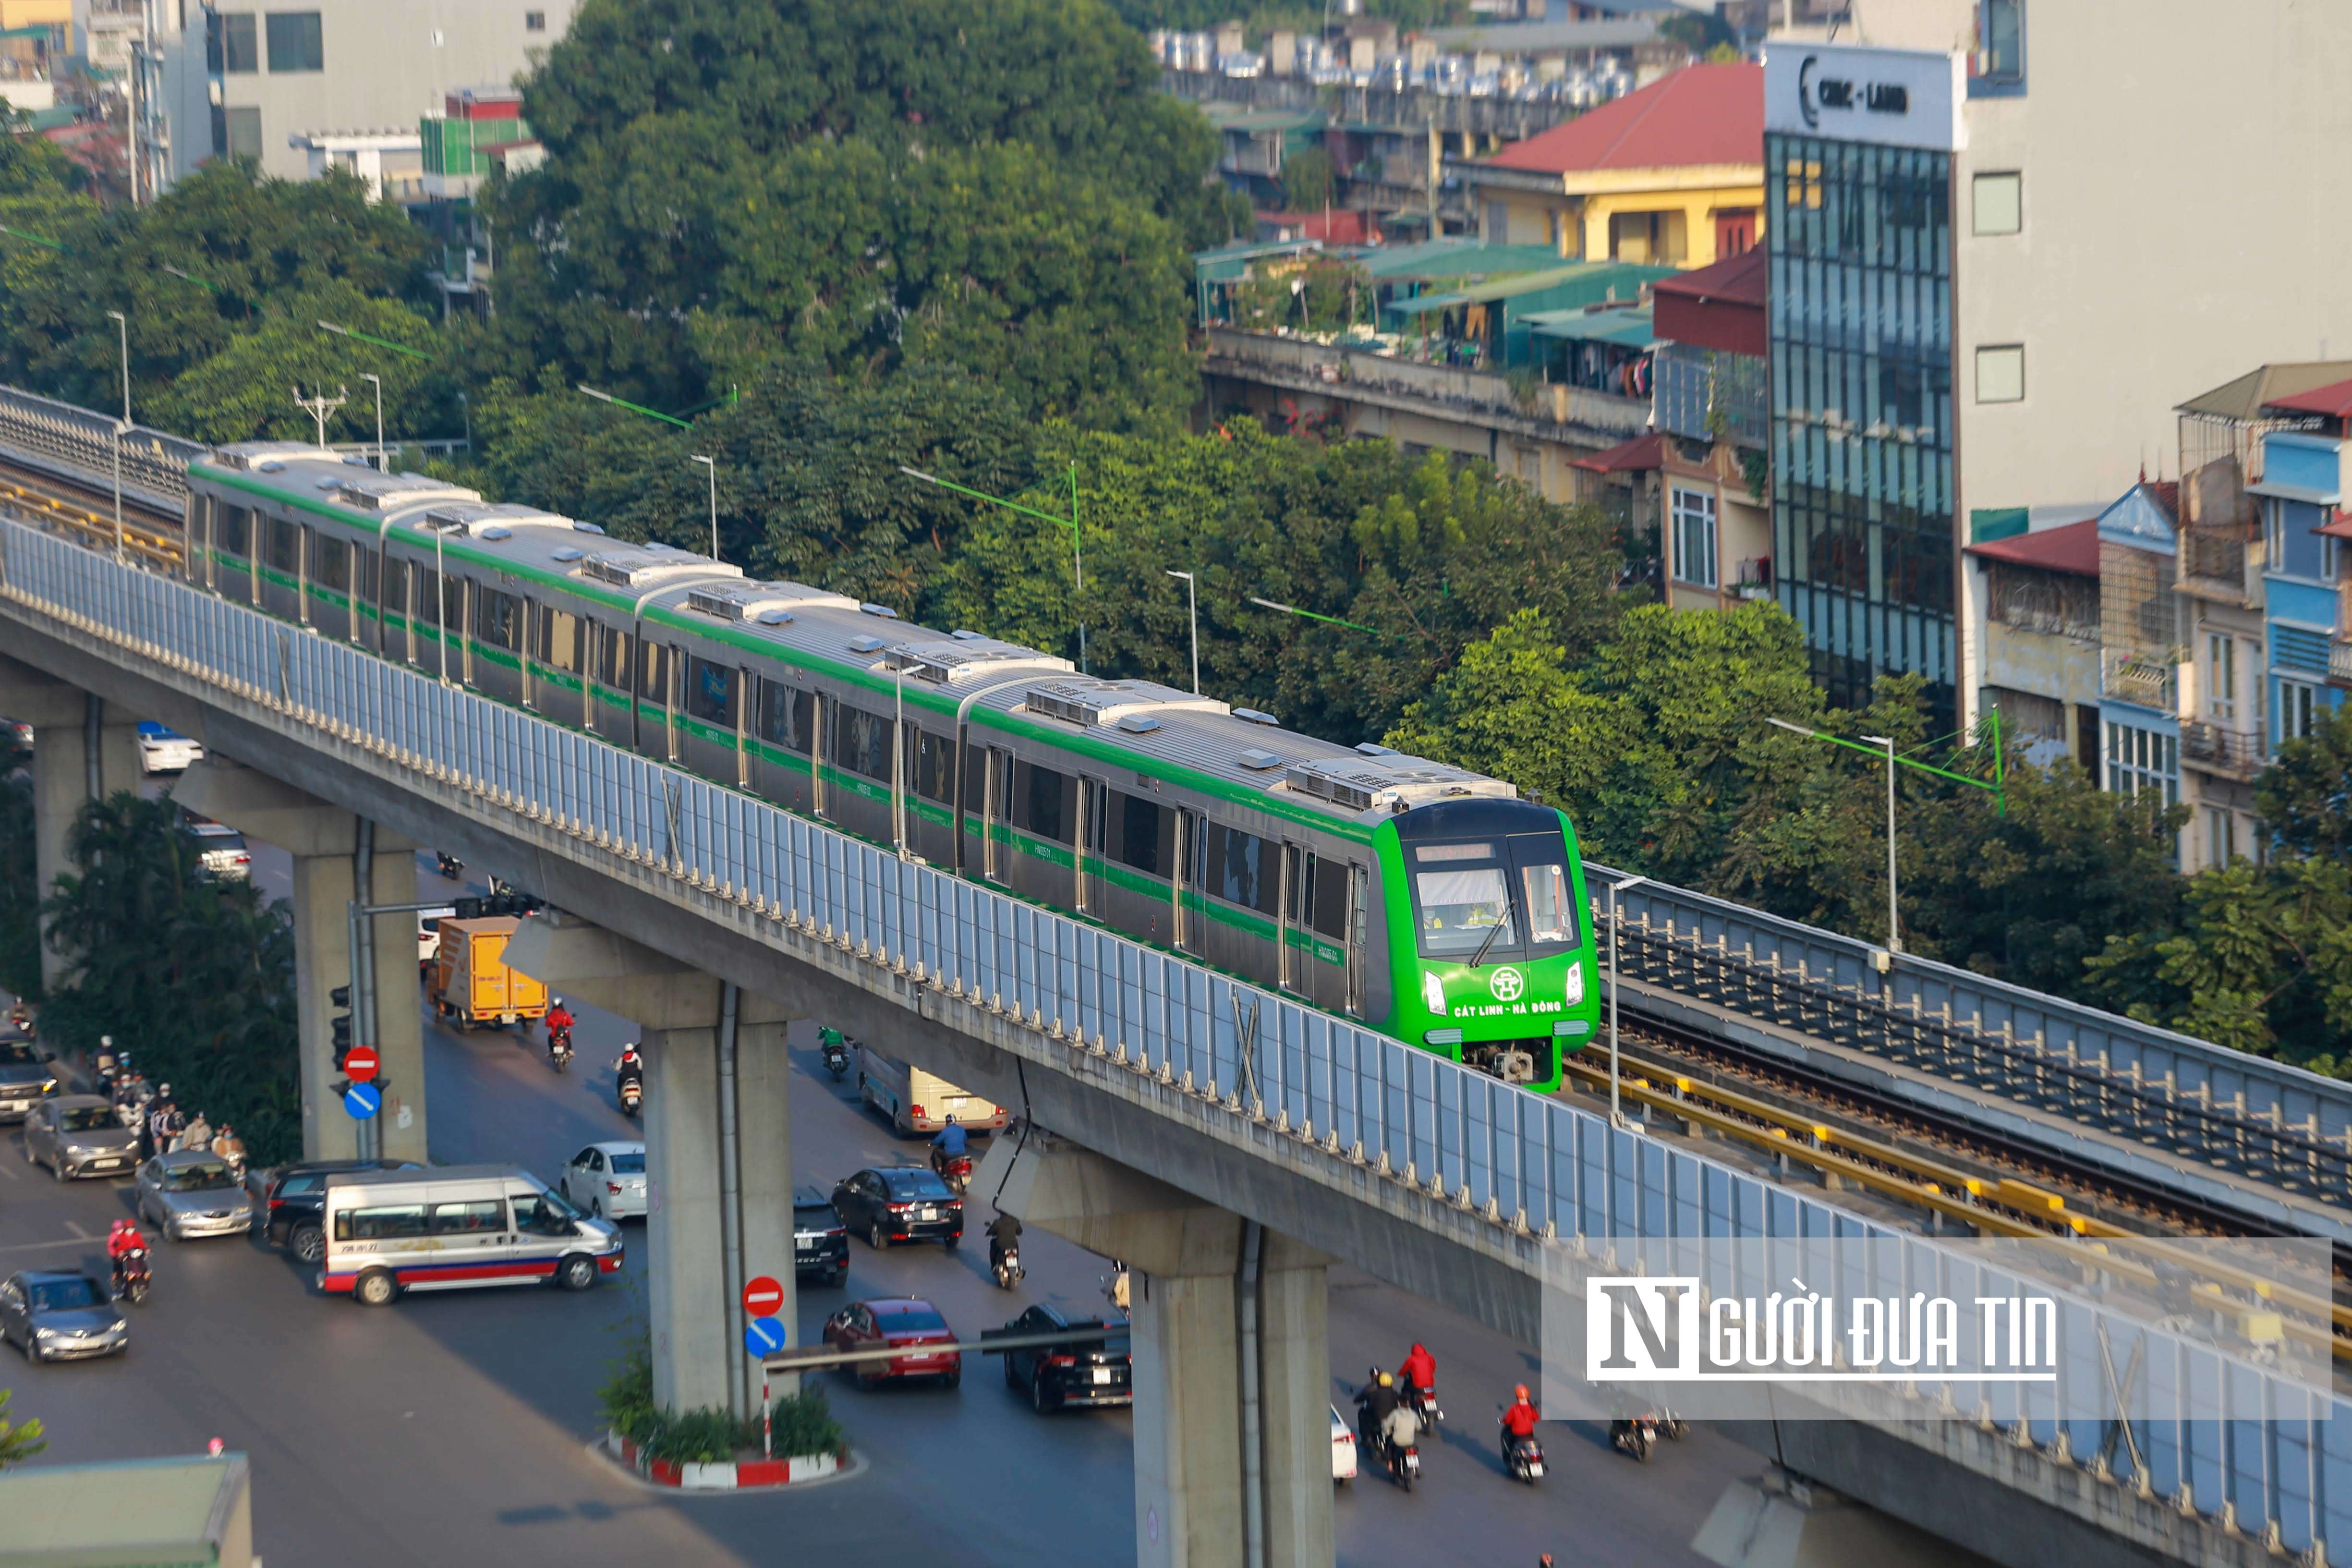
78, 443
1524, 1162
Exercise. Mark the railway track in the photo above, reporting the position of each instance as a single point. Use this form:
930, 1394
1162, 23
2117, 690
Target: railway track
1954, 1170
86, 514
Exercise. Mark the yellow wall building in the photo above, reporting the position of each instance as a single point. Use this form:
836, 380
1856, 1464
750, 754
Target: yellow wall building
1671, 174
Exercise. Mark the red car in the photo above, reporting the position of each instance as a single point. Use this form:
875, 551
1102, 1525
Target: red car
889, 1322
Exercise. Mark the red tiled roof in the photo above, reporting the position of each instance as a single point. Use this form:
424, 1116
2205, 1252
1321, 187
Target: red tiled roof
2166, 494
1698, 115
1740, 280
1720, 307
1641, 452
2333, 401
2072, 548
1341, 226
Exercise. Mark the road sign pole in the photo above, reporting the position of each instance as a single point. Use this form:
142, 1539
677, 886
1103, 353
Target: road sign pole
767, 1417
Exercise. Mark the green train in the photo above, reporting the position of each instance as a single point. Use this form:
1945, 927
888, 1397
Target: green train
1427, 901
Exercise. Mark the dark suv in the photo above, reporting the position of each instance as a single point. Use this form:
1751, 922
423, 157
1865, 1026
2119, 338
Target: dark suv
820, 1241
1093, 1368
298, 1203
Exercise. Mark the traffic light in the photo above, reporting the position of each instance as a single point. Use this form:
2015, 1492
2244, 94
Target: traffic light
341, 1025
508, 903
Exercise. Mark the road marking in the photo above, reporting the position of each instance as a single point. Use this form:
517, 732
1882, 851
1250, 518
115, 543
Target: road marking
79, 1233
40, 1246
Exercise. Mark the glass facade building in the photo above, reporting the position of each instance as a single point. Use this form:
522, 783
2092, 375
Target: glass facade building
1864, 550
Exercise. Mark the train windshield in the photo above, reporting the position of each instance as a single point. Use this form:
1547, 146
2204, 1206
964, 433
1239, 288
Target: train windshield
1493, 900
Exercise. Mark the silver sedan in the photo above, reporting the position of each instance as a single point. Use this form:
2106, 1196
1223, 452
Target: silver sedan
78, 1136
189, 1193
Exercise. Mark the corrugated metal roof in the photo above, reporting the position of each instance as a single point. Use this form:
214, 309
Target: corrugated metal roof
1701, 115
2245, 397
1630, 328
2073, 549
1455, 258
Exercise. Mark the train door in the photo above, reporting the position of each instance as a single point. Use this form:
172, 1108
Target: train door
1294, 964
1094, 845
1185, 886
996, 831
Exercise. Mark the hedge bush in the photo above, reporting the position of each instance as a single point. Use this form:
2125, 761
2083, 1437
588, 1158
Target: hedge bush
802, 1424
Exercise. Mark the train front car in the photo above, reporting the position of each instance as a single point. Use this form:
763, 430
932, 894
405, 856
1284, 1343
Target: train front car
1492, 949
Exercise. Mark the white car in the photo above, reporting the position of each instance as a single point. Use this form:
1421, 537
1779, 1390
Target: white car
1343, 1448
608, 1180
428, 936
162, 751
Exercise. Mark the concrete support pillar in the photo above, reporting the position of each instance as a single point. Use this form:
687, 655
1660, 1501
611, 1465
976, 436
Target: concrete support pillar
718, 1195
329, 846
82, 751
1232, 1440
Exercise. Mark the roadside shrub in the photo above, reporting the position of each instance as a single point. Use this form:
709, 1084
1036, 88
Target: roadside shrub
803, 1424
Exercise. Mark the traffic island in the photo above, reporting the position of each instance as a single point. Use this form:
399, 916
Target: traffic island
735, 1474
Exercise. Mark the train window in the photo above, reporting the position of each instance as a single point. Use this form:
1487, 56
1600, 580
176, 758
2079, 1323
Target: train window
613, 657
1320, 899
232, 528
785, 716
1549, 896
1463, 911
1143, 832
557, 644
935, 762
453, 603
497, 618
1047, 795
862, 742
1241, 870
652, 671
330, 563
285, 545
709, 691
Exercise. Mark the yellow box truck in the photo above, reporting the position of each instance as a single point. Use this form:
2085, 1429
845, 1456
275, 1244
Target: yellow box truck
472, 985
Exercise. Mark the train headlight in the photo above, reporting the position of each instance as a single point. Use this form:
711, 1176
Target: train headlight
1432, 992
1576, 985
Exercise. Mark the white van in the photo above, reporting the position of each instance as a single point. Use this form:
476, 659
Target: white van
917, 1102
455, 1226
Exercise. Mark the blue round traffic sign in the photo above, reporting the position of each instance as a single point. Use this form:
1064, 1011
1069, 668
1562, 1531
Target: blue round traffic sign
763, 1336
362, 1101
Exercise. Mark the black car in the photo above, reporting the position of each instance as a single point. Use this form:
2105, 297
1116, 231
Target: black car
901, 1204
820, 1241
298, 1203
27, 1076
1086, 1370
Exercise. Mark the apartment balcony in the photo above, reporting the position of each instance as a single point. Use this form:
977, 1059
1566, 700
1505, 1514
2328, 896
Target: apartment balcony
2141, 682
1707, 396
2212, 565
2215, 749
2339, 662
1543, 411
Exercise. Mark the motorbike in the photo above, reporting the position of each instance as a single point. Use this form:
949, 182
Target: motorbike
132, 1279
955, 1170
448, 865
559, 1048
1403, 1461
835, 1053
1525, 1457
1005, 1263
1422, 1401
633, 1096
1636, 1435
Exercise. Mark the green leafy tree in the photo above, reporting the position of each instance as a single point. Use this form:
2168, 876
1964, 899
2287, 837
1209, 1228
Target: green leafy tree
858, 185
2306, 797
19, 1440
1307, 181
1336, 293
251, 240
246, 390
199, 973
1426, 555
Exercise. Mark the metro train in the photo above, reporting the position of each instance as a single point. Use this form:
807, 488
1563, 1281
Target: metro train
1426, 902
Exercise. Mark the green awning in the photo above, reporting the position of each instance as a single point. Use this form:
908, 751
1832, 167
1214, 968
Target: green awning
1629, 328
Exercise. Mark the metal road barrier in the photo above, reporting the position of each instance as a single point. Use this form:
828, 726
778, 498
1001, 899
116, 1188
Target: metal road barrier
78, 443
2286, 1127
2259, 1444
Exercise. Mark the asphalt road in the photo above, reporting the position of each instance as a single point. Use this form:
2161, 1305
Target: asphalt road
454, 1427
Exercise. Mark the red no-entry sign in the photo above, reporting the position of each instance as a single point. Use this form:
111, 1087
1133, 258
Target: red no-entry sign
360, 1063
763, 1297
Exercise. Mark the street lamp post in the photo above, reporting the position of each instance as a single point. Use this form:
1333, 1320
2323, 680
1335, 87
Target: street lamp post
1616, 1110
382, 462
121, 428
712, 465
1192, 614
